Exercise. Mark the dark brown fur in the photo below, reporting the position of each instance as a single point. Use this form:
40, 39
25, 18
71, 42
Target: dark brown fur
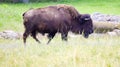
45, 20
69, 9
55, 19
84, 26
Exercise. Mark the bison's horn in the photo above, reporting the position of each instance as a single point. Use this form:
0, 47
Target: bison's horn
87, 19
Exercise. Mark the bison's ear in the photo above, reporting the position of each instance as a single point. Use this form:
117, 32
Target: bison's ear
23, 14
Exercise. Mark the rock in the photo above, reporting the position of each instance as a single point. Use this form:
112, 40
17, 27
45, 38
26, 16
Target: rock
99, 17
103, 23
115, 32
103, 27
9, 34
112, 33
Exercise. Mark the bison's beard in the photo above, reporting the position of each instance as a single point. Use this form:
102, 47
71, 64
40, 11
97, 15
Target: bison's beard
87, 28
85, 31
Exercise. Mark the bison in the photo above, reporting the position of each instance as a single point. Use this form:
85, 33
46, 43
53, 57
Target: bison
54, 19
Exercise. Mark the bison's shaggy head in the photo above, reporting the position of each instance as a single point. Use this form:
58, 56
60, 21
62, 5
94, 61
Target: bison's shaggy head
86, 24
81, 23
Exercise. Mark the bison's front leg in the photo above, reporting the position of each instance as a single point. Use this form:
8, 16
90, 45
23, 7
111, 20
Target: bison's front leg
51, 36
64, 36
64, 31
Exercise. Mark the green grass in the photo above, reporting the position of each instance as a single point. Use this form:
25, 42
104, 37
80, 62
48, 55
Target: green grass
102, 51
11, 14
96, 51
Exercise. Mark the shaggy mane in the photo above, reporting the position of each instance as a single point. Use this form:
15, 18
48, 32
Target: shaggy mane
72, 11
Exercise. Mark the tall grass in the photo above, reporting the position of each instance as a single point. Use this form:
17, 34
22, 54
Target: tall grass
102, 51
96, 51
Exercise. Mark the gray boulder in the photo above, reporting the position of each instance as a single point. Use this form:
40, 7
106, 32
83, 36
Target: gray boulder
115, 32
9, 34
99, 17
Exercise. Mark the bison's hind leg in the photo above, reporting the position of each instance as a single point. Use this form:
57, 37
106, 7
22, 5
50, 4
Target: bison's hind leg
25, 35
33, 34
50, 36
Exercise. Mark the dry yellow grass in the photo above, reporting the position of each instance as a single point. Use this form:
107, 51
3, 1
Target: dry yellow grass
105, 26
96, 51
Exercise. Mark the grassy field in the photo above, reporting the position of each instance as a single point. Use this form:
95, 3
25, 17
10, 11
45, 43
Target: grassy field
96, 51
11, 14
101, 51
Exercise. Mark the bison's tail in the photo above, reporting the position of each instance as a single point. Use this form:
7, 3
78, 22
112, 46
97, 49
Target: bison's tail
23, 14
26, 11
24, 17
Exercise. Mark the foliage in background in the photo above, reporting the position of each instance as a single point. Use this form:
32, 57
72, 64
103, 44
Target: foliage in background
96, 51
11, 14
11, 1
